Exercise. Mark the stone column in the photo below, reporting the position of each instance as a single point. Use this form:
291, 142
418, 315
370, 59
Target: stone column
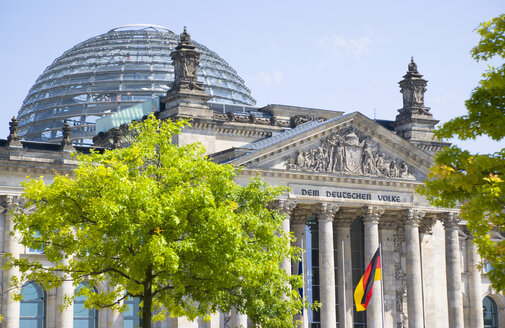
238, 320
298, 228
345, 291
325, 214
115, 318
371, 223
285, 208
453, 270
414, 277
428, 271
10, 308
474, 286
64, 316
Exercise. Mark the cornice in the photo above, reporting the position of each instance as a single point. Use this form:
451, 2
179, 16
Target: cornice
301, 177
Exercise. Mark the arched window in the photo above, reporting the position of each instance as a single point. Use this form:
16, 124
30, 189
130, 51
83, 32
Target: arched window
33, 306
490, 313
84, 318
131, 316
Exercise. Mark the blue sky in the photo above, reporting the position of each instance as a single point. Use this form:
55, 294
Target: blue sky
341, 55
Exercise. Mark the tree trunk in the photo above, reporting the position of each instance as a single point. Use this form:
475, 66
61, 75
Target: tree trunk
148, 299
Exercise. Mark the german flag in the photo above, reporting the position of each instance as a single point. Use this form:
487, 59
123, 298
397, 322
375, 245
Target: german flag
363, 291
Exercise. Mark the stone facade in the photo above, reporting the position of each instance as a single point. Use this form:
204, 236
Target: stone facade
352, 187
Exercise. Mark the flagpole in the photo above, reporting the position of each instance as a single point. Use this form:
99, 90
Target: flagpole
343, 286
382, 286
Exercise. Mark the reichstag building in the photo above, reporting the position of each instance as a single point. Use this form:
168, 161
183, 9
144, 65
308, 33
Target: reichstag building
352, 183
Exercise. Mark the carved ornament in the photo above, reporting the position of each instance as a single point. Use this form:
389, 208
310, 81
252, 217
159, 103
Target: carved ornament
345, 152
372, 214
413, 217
451, 220
326, 211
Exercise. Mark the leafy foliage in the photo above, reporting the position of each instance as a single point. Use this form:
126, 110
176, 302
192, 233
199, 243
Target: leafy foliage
476, 181
165, 224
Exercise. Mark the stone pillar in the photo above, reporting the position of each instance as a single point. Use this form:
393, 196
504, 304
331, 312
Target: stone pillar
238, 320
325, 214
64, 315
371, 223
10, 308
414, 277
298, 228
428, 271
115, 318
345, 291
285, 208
453, 264
474, 286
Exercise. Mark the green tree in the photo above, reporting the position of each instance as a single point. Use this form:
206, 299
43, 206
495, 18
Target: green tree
165, 224
475, 182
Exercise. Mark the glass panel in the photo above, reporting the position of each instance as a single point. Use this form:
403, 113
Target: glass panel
78, 323
83, 318
28, 323
32, 313
29, 309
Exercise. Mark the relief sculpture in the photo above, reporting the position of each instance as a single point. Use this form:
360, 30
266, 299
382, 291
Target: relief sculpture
345, 152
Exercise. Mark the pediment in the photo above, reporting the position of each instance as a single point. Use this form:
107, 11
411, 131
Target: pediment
351, 145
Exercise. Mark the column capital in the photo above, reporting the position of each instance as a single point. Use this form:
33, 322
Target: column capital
10, 202
283, 206
451, 220
413, 217
326, 211
299, 216
426, 225
389, 222
344, 218
372, 214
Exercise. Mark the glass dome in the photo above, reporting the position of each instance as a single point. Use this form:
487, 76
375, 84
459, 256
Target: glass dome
126, 66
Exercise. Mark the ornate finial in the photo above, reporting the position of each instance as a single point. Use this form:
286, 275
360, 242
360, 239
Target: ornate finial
13, 129
185, 37
412, 65
66, 135
185, 60
13, 138
116, 138
413, 87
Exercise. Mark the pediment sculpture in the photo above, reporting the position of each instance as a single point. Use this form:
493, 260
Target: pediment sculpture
344, 152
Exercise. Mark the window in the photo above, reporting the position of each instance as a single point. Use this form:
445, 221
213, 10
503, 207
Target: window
33, 306
131, 316
487, 267
37, 250
84, 318
490, 313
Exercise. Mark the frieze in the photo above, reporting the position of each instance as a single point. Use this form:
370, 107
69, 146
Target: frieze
301, 119
350, 194
345, 152
252, 119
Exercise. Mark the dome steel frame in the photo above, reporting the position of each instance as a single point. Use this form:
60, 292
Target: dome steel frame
111, 72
